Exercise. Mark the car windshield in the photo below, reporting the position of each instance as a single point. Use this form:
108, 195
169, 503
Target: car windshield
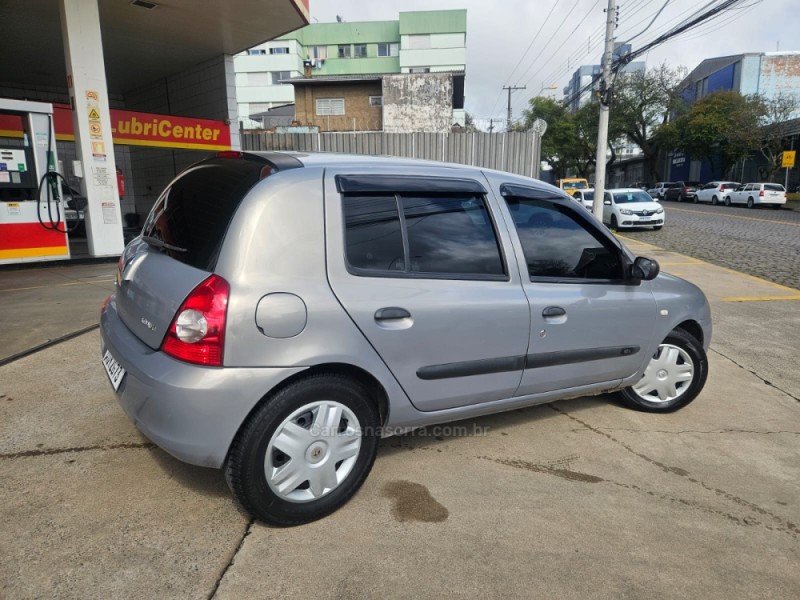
774, 187
632, 196
575, 185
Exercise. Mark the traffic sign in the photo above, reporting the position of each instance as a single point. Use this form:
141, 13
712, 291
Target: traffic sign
788, 159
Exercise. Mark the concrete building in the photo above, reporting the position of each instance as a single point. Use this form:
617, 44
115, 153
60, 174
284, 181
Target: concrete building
418, 42
588, 76
400, 103
768, 74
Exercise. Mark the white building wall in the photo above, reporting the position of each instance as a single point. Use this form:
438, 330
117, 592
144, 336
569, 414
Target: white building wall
254, 90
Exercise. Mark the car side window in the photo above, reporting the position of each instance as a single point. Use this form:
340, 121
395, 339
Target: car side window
422, 235
373, 237
558, 245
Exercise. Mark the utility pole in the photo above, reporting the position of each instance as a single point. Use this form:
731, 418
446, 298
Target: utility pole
605, 101
510, 89
491, 125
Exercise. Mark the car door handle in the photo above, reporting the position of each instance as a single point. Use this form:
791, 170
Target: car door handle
391, 312
553, 311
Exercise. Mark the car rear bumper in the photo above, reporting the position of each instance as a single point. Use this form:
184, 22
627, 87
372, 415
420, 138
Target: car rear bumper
192, 412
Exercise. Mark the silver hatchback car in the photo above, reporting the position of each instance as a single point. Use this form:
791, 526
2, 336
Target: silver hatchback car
279, 313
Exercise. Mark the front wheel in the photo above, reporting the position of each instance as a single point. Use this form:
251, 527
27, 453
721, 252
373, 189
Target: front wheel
305, 451
727, 201
750, 203
674, 377
614, 222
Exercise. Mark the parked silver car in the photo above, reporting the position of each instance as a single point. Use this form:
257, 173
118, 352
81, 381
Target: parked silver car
281, 312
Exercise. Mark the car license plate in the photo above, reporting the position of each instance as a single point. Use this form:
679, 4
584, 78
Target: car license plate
113, 369
644, 218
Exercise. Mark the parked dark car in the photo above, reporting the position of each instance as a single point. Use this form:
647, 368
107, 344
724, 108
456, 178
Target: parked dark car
684, 191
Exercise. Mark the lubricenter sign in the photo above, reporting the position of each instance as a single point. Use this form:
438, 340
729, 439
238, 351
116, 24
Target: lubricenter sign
140, 129
143, 129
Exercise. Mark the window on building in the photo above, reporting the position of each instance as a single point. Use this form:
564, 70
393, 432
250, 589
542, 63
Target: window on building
256, 51
388, 49
278, 76
360, 51
419, 42
344, 51
330, 106
419, 70
376, 100
318, 52
280, 50
258, 78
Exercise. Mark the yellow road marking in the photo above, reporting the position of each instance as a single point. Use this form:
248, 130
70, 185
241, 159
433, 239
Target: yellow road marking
758, 298
39, 287
700, 212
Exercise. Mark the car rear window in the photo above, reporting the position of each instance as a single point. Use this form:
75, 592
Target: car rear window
729, 186
773, 187
194, 212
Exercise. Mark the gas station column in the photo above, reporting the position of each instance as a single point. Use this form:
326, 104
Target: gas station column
86, 78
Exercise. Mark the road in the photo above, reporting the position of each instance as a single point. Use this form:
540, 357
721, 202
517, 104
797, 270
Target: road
760, 242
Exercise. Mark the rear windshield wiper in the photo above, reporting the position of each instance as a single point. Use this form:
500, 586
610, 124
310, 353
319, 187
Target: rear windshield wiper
161, 244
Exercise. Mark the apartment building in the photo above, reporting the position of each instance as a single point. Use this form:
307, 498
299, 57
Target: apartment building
417, 42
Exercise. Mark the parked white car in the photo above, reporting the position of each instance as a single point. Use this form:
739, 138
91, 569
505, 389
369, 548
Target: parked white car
632, 207
715, 192
585, 197
660, 188
753, 194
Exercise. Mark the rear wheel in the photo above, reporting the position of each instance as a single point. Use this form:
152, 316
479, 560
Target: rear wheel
674, 377
727, 201
750, 203
694, 199
305, 451
714, 201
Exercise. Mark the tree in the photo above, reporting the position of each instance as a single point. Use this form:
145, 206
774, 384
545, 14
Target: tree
586, 122
558, 142
642, 103
722, 128
777, 124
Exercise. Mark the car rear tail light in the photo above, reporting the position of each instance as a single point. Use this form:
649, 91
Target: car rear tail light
761, 193
105, 304
721, 188
197, 333
229, 154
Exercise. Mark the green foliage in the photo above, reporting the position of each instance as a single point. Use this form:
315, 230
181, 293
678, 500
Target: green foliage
722, 127
558, 142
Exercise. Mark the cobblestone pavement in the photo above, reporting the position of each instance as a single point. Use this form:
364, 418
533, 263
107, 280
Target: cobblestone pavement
761, 242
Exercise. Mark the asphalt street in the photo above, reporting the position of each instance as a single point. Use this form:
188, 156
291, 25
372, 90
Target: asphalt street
761, 242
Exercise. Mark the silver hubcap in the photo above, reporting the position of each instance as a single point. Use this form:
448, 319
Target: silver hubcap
668, 375
313, 451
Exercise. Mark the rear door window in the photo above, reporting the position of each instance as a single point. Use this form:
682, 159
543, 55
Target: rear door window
194, 212
436, 235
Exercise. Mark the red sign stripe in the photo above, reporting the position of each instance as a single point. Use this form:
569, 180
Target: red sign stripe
29, 235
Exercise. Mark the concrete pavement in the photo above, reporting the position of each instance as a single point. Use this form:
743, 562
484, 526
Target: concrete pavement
577, 499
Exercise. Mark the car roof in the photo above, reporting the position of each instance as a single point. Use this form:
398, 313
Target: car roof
628, 189
335, 159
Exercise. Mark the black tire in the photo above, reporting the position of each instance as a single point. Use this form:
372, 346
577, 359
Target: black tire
727, 201
694, 199
245, 465
714, 201
614, 224
694, 350
750, 203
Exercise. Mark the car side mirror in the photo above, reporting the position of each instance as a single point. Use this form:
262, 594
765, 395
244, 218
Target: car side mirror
607, 202
644, 269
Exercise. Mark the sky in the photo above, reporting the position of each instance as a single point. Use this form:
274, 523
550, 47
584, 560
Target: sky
560, 35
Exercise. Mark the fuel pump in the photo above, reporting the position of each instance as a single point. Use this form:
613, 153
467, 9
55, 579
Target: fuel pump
32, 208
